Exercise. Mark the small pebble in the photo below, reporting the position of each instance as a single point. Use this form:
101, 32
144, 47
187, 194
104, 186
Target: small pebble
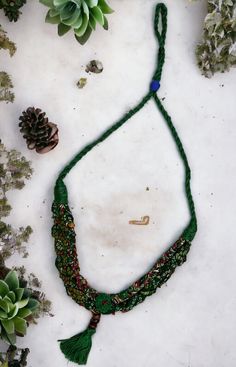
94, 66
81, 83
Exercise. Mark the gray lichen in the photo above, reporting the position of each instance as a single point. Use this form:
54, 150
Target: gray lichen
12, 240
81, 83
217, 51
14, 170
34, 284
5, 87
5, 42
6, 84
94, 66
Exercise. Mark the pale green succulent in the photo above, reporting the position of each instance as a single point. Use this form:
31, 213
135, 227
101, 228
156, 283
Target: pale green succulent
79, 15
16, 307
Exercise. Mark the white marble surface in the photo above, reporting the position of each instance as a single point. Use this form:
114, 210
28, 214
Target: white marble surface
191, 320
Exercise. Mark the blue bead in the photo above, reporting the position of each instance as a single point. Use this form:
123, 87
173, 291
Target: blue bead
155, 85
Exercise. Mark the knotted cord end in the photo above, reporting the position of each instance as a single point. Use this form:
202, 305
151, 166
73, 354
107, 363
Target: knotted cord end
190, 231
60, 192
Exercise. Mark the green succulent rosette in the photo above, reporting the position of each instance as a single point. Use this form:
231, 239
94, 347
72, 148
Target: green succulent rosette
16, 307
81, 16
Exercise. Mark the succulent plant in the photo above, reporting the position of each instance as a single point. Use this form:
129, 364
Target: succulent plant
16, 307
79, 15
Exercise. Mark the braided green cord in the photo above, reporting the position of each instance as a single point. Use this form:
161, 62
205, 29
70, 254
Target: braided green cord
161, 11
191, 229
101, 138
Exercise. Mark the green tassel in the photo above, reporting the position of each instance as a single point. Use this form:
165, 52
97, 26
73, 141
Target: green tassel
77, 348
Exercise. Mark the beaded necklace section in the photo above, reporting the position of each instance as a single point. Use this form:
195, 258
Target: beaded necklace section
77, 348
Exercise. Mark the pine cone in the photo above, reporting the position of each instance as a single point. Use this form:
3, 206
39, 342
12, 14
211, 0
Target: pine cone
40, 134
11, 8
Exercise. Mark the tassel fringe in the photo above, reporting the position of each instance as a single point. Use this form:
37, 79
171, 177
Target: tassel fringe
76, 349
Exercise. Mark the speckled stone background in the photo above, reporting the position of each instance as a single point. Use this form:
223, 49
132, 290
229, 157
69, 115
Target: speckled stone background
190, 321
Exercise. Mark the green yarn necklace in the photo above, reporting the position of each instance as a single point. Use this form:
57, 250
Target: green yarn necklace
77, 348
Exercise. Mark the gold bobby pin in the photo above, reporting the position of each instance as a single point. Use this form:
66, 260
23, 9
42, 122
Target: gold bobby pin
143, 222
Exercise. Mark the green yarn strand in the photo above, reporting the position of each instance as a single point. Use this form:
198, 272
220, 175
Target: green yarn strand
76, 349
101, 138
191, 229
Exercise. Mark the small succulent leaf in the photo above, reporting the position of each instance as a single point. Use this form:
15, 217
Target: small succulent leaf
78, 23
8, 326
83, 39
4, 305
59, 2
76, 18
13, 311
19, 293
48, 3
24, 312
85, 9
4, 289
27, 293
12, 296
81, 31
105, 8
73, 18
3, 315
6, 298
92, 22
22, 303
20, 325
9, 338
63, 29
33, 304
67, 11
97, 13
52, 20
53, 12
92, 3
105, 26
12, 280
